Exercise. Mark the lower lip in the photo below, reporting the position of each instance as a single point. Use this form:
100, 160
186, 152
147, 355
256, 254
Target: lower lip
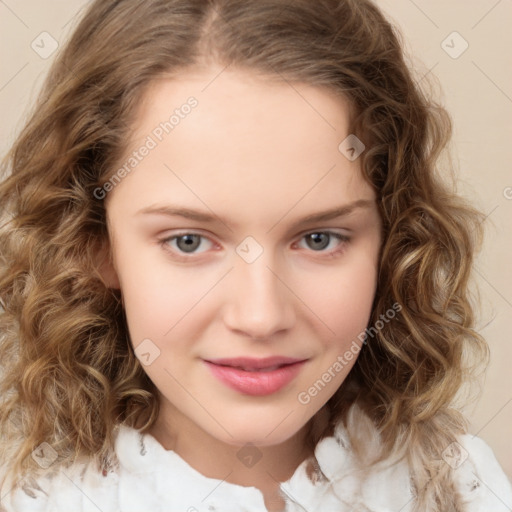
256, 383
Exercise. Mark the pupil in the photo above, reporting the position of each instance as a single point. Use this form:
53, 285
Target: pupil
317, 239
188, 241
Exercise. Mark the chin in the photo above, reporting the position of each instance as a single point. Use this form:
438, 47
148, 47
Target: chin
258, 431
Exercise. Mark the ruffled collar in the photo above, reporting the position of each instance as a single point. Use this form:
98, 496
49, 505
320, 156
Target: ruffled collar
335, 483
148, 477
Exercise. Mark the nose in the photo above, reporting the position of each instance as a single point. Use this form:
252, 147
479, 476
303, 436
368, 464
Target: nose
260, 302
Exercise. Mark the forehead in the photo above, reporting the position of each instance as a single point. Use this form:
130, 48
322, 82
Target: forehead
246, 141
243, 106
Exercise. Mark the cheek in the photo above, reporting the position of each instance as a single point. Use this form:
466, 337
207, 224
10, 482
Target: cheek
156, 297
160, 297
156, 311
344, 304
343, 299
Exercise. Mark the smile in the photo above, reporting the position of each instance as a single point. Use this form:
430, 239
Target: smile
256, 377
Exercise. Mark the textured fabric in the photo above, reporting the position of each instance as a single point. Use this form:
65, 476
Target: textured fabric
150, 478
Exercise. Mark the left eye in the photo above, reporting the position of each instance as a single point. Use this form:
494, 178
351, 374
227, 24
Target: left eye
319, 240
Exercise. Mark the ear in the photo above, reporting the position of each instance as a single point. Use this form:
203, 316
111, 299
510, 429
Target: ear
105, 266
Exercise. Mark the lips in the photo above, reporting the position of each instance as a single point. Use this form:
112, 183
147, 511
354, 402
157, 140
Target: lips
254, 364
256, 377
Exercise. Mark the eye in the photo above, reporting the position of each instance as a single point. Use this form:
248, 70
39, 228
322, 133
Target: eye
186, 243
319, 240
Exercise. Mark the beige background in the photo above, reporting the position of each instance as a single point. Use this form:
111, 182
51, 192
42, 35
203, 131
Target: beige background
476, 90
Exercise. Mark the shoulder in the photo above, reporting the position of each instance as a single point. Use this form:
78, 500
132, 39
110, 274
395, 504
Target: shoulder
76, 487
339, 484
478, 475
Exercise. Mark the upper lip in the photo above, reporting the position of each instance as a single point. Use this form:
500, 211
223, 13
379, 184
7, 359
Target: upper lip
255, 363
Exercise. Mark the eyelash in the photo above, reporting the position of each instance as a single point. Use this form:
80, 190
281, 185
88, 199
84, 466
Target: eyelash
333, 253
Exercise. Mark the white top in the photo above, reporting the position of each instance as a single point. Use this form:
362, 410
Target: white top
150, 478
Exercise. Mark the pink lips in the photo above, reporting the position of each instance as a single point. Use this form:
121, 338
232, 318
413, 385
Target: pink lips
257, 377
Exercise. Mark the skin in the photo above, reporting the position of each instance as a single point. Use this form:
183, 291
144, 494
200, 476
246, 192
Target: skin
260, 155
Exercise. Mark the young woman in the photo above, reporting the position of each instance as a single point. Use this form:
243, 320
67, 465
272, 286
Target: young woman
232, 274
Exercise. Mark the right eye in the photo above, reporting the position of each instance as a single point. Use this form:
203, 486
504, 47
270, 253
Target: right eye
184, 243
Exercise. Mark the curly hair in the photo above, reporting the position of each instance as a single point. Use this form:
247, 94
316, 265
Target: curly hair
69, 373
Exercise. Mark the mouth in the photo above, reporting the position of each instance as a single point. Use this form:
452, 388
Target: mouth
255, 364
256, 377
250, 369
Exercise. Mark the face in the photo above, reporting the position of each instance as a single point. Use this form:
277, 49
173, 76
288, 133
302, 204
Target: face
218, 256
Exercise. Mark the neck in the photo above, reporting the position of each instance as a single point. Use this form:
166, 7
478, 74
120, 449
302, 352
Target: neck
263, 467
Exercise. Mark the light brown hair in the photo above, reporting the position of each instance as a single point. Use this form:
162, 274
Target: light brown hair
69, 373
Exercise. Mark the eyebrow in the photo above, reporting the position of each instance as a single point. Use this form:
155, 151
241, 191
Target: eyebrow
202, 216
